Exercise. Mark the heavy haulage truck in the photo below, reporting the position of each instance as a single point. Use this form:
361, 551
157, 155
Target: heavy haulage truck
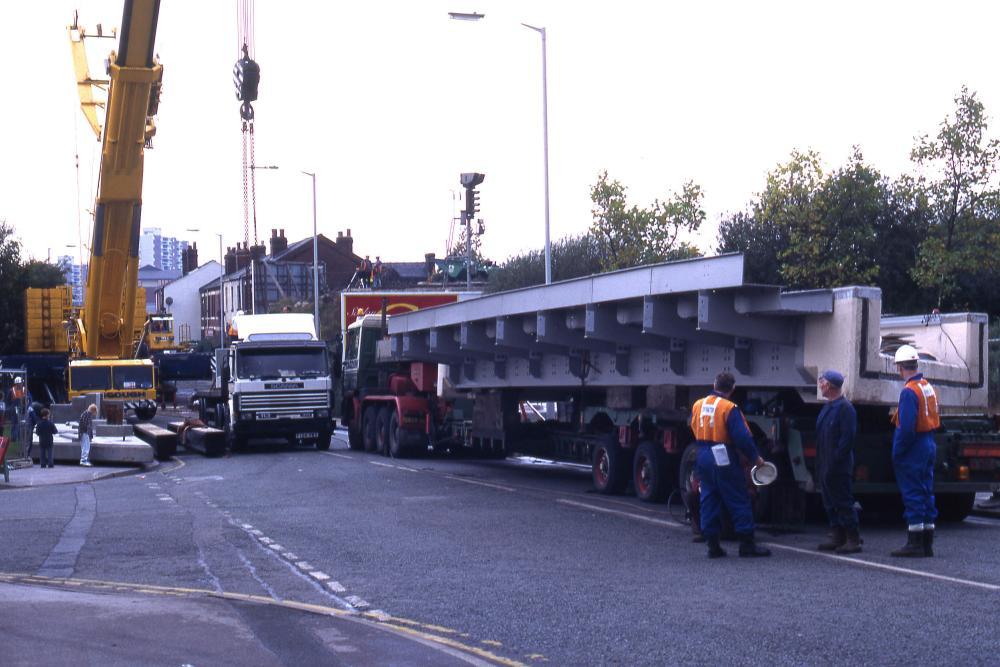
625, 354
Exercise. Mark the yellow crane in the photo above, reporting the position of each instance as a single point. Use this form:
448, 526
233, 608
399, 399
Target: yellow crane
107, 324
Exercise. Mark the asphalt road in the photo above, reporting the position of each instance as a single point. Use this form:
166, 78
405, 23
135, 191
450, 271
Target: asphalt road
505, 562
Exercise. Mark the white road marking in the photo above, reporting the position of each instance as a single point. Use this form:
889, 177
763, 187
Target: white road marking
275, 546
290, 556
256, 533
406, 469
246, 526
303, 565
339, 456
478, 483
336, 587
381, 465
319, 576
984, 522
264, 540
806, 552
379, 615
606, 510
356, 602
889, 568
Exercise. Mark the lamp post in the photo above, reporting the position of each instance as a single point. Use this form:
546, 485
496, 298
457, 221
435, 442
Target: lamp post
222, 301
545, 141
312, 175
462, 16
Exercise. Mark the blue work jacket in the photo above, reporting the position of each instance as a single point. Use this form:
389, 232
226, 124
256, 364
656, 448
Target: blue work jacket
836, 427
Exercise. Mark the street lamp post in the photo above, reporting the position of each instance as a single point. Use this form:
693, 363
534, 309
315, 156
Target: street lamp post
463, 16
222, 300
315, 257
545, 141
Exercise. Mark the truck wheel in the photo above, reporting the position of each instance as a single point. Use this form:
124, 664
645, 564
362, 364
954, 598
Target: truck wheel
382, 430
395, 449
145, 412
955, 506
649, 473
608, 468
323, 443
368, 428
354, 439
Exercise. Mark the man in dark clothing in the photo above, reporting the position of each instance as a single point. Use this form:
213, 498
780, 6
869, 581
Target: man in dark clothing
45, 430
836, 427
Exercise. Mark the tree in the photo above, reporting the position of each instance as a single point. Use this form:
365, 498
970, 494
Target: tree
630, 236
572, 257
11, 298
958, 168
759, 241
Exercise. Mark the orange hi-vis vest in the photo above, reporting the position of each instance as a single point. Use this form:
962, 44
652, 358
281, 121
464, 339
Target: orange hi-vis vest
928, 417
708, 419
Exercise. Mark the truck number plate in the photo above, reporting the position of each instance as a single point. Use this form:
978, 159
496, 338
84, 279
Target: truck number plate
266, 415
307, 436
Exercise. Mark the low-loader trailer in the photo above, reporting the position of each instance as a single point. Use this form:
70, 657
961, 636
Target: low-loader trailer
623, 355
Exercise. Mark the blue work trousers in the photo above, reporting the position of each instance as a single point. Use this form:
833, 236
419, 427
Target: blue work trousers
915, 476
838, 501
723, 485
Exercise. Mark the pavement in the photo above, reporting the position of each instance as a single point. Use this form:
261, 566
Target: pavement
70, 474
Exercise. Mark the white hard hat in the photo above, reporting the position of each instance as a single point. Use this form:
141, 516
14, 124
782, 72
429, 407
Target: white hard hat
906, 353
17, 380
764, 474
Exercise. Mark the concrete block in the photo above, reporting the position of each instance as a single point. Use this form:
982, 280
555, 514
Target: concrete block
102, 450
64, 412
112, 430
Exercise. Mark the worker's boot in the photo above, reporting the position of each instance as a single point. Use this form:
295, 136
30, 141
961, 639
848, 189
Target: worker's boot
914, 547
749, 548
928, 540
834, 539
852, 543
714, 550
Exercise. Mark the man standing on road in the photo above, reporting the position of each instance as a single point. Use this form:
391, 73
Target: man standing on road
913, 454
85, 429
836, 427
721, 431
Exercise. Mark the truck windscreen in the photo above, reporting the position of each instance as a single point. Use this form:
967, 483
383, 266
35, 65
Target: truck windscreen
281, 363
133, 377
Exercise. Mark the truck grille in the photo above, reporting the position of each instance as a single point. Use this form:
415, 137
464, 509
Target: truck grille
285, 401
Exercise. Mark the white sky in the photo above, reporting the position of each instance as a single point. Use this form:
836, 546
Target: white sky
388, 102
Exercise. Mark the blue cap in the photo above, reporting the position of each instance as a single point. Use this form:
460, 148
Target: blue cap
835, 378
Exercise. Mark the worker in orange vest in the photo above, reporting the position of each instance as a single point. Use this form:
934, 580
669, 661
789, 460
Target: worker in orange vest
722, 433
914, 453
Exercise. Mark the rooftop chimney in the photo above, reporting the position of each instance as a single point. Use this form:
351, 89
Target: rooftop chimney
278, 242
345, 242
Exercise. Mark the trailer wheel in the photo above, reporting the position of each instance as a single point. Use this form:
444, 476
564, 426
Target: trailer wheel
649, 473
395, 449
323, 442
608, 468
354, 438
955, 506
368, 428
382, 430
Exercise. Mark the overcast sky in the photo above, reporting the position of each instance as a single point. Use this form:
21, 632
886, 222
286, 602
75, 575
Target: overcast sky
388, 102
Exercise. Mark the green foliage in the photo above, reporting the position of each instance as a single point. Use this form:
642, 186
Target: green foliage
631, 236
458, 248
11, 298
958, 168
42, 274
572, 257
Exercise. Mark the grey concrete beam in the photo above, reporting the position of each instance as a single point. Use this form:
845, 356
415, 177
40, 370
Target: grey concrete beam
672, 319
772, 301
716, 313
551, 328
515, 336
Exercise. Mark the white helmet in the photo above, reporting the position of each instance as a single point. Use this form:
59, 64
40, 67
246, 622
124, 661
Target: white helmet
906, 353
17, 380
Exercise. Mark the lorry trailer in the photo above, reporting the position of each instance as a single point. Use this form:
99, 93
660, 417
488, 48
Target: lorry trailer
625, 354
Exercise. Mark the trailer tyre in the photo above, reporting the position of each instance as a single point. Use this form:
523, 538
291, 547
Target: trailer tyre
396, 449
608, 468
649, 473
955, 506
368, 428
323, 443
354, 439
382, 430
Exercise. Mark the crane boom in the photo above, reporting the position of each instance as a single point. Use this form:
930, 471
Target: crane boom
107, 320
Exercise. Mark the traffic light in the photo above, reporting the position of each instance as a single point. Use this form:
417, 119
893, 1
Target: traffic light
471, 204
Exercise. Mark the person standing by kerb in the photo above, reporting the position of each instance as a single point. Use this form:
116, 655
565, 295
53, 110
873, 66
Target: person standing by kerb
85, 429
45, 430
836, 428
913, 454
